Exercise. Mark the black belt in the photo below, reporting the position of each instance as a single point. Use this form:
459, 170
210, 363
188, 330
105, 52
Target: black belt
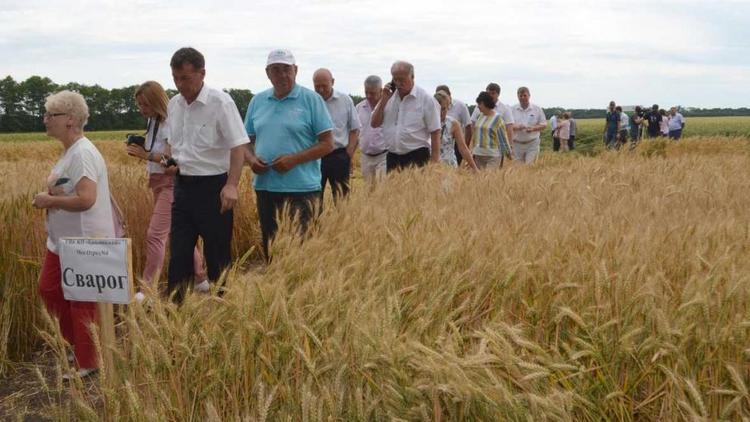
376, 154
181, 178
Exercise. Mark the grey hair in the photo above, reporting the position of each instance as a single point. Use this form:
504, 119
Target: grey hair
374, 81
404, 65
71, 103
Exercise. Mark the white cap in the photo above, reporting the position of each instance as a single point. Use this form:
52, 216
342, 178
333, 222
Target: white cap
280, 56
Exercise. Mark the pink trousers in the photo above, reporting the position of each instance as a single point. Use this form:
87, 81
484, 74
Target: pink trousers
162, 186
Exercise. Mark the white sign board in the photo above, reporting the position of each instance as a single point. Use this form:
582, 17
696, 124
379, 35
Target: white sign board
96, 270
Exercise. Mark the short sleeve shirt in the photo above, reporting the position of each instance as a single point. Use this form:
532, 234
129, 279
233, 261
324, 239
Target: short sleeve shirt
287, 126
203, 132
156, 143
344, 116
501, 110
408, 122
370, 138
81, 160
460, 112
531, 116
676, 122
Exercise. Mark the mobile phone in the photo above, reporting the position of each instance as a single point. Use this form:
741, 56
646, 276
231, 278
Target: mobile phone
62, 181
392, 85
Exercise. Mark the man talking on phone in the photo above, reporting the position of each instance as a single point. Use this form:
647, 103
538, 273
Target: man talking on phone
290, 130
409, 118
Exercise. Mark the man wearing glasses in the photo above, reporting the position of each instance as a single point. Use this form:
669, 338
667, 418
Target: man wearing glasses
208, 142
290, 130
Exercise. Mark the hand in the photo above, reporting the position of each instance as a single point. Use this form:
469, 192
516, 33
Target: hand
529, 129
257, 165
350, 153
387, 93
137, 151
284, 163
228, 197
520, 127
42, 200
56, 191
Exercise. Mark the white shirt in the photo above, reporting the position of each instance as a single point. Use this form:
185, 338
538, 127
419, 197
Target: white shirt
159, 143
371, 139
460, 112
531, 116
203, 133
344, 116
408, 122
500, 109
624, 121
81, 160
676, 122
553, 122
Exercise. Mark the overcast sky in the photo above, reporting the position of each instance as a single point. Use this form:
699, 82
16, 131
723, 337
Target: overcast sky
569, 53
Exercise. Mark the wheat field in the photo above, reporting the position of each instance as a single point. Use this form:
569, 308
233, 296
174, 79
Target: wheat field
607, 287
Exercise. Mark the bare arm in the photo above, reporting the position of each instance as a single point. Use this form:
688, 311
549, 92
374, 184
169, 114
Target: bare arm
376, 120
435, 146
469, 131
324, 146
353, 142
229, 193
462, 148
84, 198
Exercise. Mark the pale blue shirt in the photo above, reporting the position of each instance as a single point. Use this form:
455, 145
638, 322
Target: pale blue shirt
344, 116
287, 126
676, 122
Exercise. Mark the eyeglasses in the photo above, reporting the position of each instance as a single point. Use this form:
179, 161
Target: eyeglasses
52, 115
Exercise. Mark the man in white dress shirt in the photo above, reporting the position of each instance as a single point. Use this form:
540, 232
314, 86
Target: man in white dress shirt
371, 142
335, 167
207, 140
529, 122
410, 120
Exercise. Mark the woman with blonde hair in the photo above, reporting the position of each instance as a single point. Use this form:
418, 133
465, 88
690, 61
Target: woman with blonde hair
451, 135
78, 204
152, 102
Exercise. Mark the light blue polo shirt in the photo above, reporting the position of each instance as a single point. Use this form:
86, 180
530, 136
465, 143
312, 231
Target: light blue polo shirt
287, 126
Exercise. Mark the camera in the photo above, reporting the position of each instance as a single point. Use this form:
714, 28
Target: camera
132, 139
168, 161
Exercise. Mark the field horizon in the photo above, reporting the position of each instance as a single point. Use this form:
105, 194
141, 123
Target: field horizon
606, 286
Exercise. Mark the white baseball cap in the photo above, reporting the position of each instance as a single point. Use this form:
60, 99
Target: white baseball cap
280, 56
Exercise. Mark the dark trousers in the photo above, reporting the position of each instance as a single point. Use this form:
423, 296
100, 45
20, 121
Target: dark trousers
555, 143
196, 212
572, 142
335, 169
301, 205
417, 158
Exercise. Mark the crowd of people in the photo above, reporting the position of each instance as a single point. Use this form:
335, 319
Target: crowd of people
655, 122
295, 140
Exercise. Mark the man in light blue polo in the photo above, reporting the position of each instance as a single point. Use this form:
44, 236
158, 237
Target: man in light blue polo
290, 130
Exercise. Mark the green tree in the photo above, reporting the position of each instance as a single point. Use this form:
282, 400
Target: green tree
34, 92
241, 98
10, 105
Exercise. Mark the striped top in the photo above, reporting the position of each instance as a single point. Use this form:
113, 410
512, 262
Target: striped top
489, 136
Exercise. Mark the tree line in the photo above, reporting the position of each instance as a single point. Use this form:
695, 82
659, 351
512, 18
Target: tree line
22, 105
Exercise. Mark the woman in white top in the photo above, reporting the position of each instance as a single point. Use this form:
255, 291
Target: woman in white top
78, 204
152, 102
451, 135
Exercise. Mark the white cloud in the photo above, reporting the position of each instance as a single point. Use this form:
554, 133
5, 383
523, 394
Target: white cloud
574, 53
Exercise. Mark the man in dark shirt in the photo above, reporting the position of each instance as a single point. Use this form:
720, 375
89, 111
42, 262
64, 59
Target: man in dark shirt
654, 120
611, 126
